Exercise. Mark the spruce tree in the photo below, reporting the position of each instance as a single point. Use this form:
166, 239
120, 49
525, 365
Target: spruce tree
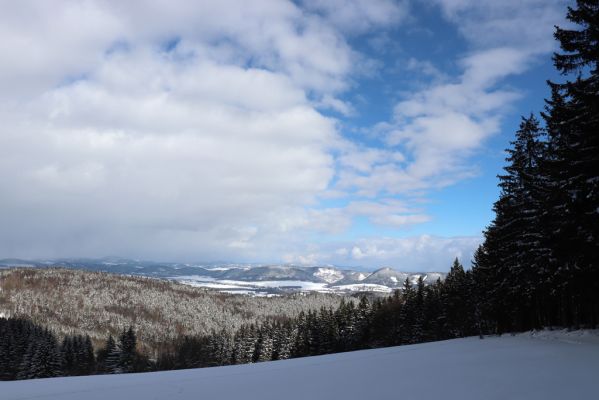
510, 263
42, 359
68, 355
128, 350
111, 357
575, 155
87, 360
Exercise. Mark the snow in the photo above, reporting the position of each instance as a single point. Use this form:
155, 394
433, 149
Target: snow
304, 285
227, 285
249, 293
214, 285
329, 275
192, 278
530, 366
585, 336
363, 287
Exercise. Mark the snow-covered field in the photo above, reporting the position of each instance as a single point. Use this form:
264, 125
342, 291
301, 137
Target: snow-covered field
226, 285
362, 287
547, 365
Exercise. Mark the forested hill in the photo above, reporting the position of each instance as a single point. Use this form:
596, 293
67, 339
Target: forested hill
98, 304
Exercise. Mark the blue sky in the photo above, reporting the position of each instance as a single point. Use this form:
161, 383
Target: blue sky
347, 132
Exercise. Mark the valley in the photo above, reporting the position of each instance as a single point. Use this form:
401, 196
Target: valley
249, 279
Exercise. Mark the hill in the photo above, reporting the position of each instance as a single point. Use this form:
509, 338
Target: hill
246, 278
97, 303
563, 366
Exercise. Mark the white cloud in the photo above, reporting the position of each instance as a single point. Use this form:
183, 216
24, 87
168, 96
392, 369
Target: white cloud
357, 253
48, 43
422, 253
424, 67
115, 143
359, 16
487, 23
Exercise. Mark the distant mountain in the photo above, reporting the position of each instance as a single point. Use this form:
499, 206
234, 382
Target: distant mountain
245, 278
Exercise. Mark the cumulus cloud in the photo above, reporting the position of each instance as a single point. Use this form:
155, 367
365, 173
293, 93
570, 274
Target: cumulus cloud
424, 253
526, 25
439, 127
359, 16
163, 131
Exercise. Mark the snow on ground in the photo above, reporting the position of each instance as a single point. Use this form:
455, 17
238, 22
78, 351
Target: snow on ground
508, 367
362, 287
304, 285
587, 336
329, 275
214, 285
208, 282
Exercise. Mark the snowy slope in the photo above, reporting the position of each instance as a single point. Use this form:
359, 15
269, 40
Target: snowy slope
520, 367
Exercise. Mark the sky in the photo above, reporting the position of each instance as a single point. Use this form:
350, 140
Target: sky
349, 132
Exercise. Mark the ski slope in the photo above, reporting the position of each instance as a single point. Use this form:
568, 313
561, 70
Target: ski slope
552, 365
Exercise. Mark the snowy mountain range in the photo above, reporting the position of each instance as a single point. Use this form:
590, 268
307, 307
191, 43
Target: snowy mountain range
246, 278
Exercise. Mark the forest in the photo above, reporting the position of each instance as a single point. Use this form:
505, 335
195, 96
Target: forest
76, 302
537, 267
413, 315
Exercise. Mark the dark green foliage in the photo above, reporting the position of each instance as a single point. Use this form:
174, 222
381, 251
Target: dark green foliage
107, 356
27, 351
128, 350
77, 355
117, 358
573, 128
457, 302
539, 264
15, 335
580, 47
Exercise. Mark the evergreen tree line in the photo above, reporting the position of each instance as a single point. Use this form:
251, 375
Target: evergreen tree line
29, 351
539, 263
417, 313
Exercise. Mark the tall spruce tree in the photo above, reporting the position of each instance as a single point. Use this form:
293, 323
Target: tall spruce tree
111, 356
457, 302
128, 347
524, 182
573, 124
509, 266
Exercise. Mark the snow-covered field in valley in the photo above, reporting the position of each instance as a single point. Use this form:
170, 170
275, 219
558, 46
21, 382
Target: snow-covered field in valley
548, 365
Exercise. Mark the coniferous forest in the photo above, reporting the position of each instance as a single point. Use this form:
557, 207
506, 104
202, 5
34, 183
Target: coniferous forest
537, 267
